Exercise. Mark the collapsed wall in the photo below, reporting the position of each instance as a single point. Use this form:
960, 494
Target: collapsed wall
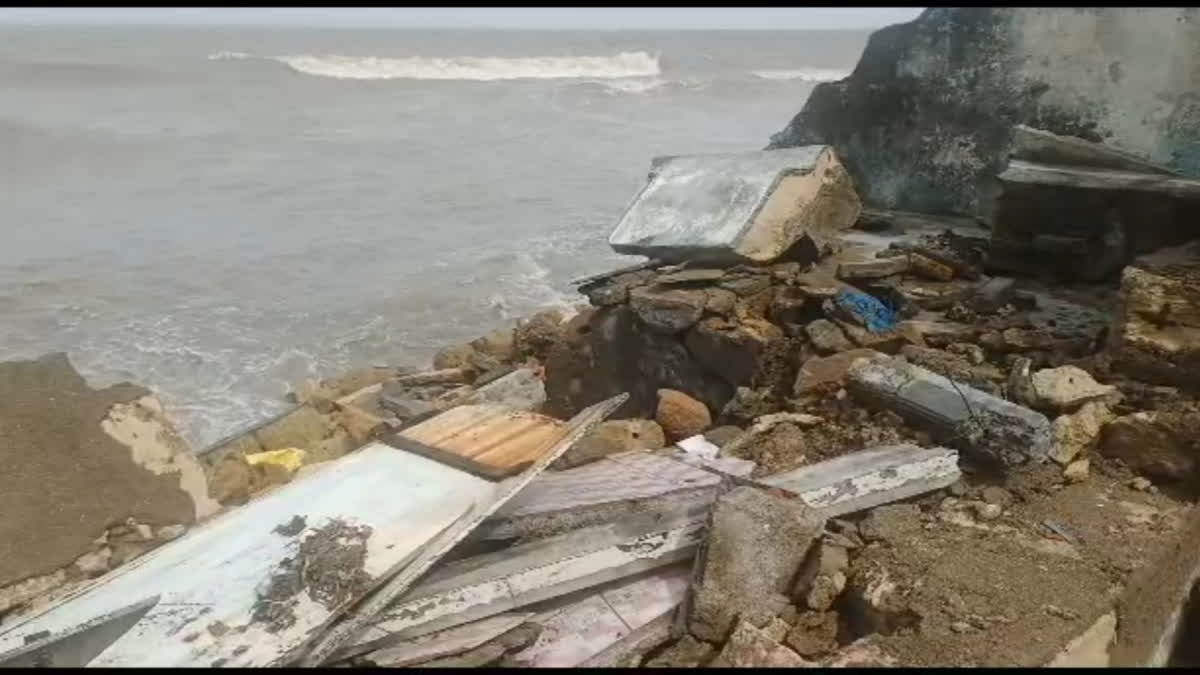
925, 121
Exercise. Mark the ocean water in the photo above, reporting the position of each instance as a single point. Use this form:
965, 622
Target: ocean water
216, 213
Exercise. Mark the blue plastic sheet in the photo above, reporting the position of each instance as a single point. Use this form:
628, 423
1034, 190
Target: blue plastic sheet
876, 316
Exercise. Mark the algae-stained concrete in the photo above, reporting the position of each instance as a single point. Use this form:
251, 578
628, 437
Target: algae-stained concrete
66, 479
926, 119
743, 207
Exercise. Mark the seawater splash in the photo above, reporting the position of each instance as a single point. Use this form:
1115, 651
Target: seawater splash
478, 68
805, 74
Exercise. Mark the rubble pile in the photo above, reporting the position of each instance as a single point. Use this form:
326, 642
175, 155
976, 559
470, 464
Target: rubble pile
801, 434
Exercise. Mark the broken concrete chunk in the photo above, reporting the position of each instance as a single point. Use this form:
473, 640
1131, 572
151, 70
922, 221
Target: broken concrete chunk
987, 424
865, 479
814, 634
1039, 145
750, 647
738, 207
1065, 388
680, 415
756, 545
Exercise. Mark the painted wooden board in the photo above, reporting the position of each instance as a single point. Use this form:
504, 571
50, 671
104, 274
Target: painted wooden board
486, 585
364, 613
489, 434
447, 642
212, 574
587, 627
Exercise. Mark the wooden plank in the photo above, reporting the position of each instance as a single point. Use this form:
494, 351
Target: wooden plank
1019, 171
448, 642
869, 478
362, 614
478, 587
237, 552
490, 435
587, 628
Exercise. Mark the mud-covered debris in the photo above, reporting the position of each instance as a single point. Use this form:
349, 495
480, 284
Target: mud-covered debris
328, 566
292, 527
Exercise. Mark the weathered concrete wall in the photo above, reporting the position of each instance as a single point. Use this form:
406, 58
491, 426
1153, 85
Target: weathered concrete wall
925, 121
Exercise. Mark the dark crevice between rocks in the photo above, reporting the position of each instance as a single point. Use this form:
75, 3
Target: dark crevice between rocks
1186, 651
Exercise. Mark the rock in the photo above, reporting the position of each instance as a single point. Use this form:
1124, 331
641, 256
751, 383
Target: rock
987, 511
536, 335
827, 337
776, 629
668, 311
1065, 388
972, 353
300, 428
861, 654
456, 356
824, 590
1020, 382
401, 402
95, 563
757, 542
720, 436
828, 372
521, 389
996, 495
942, 142
720, 301
822, 577
1159, 445
1140, 484
924, 266
500, 344
747, 405
614, 436
814, 634
170, 532
1155, 331
891, 522
615, 290
749, 647
1078, 432
745, 207
1076, 471
680, 415
688, 652
735, 351
27, 590
231, 481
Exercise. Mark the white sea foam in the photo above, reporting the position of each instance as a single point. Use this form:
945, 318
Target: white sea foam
486, 68
806, 74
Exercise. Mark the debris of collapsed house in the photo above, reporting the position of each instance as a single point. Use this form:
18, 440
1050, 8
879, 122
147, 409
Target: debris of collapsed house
784, 441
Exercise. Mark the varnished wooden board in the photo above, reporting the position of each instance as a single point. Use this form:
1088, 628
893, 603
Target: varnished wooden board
496, 438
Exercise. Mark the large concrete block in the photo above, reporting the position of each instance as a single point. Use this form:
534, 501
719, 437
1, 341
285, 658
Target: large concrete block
730, 208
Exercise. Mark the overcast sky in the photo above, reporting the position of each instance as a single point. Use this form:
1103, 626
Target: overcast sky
782, 18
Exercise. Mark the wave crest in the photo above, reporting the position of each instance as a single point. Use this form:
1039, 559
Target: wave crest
805, 74
485, 68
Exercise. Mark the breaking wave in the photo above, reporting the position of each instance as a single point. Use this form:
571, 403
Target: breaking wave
805, 74
486, 68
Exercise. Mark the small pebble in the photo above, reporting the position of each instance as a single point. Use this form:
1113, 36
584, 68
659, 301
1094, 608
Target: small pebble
988, 511
960, 627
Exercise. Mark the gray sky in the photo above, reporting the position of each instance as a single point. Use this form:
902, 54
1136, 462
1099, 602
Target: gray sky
783, 18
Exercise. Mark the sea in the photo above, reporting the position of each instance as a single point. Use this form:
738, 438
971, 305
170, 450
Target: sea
221, 213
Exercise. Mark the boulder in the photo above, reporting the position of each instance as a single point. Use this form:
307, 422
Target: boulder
756, 544
1155, 330
612, 437
500, 344
828, 371
668, 311
1160, 445
303, 427
1077, 433
735, 351
536, 335
827, 337
745, 207
609, 291
814, 634
231, 481
1066, 388
680, 415
927, 118
455, 356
